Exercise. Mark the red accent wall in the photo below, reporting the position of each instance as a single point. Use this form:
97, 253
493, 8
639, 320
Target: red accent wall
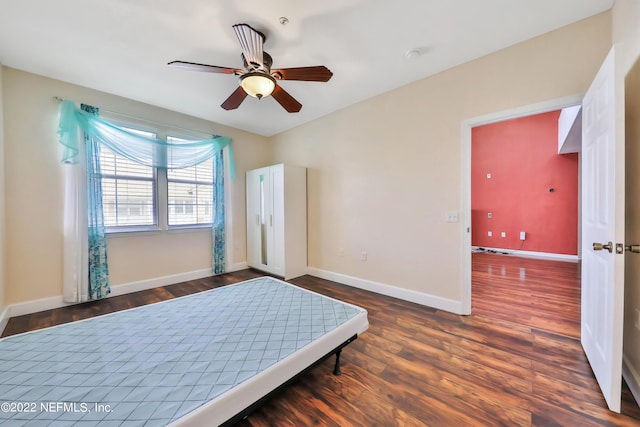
522, 157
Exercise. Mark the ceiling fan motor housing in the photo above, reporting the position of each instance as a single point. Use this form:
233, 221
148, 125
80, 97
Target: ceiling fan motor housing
267, 61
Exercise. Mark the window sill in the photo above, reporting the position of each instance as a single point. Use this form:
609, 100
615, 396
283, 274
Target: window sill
132, 232
189, 227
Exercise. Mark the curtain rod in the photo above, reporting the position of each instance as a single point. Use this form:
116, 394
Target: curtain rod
58, 100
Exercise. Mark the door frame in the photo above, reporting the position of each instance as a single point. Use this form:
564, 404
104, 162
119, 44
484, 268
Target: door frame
467, 125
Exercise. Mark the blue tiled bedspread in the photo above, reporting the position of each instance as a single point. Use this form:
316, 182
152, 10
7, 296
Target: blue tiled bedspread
151, 365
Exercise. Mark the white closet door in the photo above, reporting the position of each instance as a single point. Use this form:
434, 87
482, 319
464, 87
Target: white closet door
278, 229
258, 211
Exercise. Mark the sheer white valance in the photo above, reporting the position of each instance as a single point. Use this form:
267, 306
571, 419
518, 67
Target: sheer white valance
137, 148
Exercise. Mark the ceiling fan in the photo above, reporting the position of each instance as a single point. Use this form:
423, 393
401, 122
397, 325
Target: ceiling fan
258, 79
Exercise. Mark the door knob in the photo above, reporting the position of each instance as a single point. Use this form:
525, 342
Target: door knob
601, 246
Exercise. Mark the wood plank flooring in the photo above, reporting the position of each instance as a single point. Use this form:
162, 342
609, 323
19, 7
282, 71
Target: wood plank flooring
516, 361
537, 293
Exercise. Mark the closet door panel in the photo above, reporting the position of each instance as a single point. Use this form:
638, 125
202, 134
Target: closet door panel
278, 195
256, 222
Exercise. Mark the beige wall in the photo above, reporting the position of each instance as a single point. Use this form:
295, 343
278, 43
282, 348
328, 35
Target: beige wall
626, 35
382, 173
2, 222
34, 192
626, 32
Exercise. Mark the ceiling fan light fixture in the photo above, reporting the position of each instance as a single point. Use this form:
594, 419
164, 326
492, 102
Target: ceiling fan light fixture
258, 85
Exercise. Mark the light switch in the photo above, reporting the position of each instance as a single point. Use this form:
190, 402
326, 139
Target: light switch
452, 217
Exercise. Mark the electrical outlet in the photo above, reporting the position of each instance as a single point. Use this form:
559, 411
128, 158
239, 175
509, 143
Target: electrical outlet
489, 233
489, 215
488, 176
452, 217
363, 256
523, 235
503, 234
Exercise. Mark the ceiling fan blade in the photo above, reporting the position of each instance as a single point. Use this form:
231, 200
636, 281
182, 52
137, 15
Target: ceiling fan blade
235, 99
251, 42
192, 66
287, 101
319, 73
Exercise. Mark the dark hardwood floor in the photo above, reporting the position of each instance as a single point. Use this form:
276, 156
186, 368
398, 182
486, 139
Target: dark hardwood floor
537, 293
516, 361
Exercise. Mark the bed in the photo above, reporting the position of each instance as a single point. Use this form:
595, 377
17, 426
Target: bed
204, 359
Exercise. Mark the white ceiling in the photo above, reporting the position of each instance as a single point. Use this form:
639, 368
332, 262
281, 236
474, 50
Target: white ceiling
123, 46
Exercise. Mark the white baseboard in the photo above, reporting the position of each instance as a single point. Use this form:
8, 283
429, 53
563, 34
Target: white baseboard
35, 306
532, 254
156, 282
239, 266
390, 290
4, 319
632, 377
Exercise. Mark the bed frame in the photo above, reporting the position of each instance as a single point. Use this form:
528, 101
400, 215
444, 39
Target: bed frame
239, 402
255, 406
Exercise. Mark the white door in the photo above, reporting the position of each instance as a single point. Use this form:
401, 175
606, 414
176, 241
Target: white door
277, 220
258, 208
253, 218
603, 226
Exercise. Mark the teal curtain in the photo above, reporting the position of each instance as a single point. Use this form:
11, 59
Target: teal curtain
218, 228
137, 148
98, 265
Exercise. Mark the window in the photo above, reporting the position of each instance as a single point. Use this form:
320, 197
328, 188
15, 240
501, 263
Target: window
137, 197
128, 190
189, 193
